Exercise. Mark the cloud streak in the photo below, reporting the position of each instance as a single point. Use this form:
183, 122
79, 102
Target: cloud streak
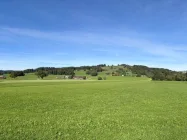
101, 39
118, 47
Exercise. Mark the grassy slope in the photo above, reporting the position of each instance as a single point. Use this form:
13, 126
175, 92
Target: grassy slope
32, 76
128, 109
80, 73
106, 70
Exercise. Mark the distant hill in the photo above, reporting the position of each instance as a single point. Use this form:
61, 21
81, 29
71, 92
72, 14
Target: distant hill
106, 70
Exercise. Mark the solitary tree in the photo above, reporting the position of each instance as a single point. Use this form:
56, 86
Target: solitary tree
13, 75
41, 74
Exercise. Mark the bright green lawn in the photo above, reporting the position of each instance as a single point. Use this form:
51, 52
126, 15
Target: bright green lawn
112, 110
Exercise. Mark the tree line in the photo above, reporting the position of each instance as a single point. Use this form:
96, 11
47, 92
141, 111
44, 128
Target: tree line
65, 70
15, 74
157, 73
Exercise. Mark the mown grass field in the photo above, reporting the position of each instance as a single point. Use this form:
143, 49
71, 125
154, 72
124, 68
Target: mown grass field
131, 109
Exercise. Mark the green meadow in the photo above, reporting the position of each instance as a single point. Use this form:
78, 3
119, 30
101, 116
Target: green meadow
119, 108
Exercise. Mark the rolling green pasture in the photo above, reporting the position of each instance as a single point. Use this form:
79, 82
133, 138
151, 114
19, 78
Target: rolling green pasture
80, 72
128, 108
32, 76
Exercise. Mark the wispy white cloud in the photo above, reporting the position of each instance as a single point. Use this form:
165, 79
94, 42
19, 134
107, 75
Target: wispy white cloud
21, 64
111, 41
101, 39
16, 54
24, 64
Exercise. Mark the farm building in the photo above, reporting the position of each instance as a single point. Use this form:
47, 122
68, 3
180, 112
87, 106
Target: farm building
115, 74
2, 77
79, 77
72, 77
64, 77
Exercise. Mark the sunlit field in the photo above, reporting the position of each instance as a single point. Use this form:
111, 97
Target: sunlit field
125, 108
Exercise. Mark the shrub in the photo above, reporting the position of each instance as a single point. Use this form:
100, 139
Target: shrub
100, 78
88, 72
84, 77
104, 78
15, 74
94, 73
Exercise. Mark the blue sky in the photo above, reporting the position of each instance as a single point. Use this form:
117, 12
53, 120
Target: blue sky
60, 33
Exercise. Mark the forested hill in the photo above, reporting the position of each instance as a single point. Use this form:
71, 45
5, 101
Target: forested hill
123, 69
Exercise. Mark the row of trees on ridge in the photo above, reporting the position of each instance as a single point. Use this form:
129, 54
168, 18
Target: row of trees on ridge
125, 70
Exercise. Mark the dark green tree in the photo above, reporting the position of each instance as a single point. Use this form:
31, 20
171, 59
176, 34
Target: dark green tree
41, 74
13, 75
